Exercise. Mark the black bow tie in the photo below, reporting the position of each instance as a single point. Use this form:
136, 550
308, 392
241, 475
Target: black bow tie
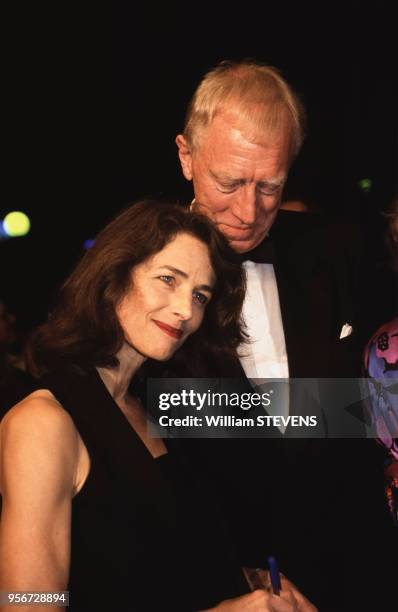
263, 253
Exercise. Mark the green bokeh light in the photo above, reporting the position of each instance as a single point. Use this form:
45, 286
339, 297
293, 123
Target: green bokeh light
365, 184
16, 223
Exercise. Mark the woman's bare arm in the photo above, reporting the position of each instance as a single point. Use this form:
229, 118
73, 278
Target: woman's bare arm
39, 454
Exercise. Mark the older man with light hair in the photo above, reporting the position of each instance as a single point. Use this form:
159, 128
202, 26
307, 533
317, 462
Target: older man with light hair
244, 127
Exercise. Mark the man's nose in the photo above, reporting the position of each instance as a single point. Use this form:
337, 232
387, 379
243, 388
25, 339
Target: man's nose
245, 205
182, 305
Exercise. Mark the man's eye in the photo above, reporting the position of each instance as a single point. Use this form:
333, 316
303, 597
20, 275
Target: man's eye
166, 279
200, 298
269, 191
228, 188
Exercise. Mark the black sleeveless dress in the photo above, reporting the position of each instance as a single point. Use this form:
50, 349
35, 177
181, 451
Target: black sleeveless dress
147, 534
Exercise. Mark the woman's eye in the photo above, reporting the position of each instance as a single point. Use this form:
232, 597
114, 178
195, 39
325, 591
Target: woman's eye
166, 279
200, 298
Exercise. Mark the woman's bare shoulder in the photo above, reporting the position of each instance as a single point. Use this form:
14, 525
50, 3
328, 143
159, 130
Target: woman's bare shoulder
39, 406
38, 422
39, 429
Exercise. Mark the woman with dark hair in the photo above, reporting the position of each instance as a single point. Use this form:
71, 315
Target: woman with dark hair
91, 502
84, 328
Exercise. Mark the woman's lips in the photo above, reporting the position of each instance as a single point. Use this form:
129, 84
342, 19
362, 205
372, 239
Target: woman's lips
167, 329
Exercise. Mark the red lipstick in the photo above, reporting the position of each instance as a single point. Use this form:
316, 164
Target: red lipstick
170, 331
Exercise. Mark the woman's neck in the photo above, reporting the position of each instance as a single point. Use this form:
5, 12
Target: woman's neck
117, 380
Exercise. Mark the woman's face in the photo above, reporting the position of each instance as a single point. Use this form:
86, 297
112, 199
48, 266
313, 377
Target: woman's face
167, 299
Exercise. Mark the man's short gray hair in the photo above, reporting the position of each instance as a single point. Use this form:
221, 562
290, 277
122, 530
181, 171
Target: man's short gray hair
253, 92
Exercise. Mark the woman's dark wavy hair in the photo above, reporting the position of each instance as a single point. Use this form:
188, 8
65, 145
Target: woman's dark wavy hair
83, 327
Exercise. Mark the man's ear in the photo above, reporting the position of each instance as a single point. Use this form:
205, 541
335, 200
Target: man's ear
185, 155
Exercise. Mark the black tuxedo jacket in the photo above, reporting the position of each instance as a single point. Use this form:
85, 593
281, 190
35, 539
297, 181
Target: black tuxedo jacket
312, 503
317, 267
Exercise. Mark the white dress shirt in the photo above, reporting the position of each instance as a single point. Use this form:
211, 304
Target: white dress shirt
264, 356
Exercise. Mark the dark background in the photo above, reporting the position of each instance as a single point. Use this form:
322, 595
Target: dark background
93, 103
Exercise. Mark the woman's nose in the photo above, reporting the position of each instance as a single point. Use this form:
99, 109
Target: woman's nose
182, 305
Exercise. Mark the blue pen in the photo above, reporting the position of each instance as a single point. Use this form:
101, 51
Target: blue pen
274, 574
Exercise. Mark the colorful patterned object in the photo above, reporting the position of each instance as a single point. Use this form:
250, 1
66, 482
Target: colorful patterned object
381, 368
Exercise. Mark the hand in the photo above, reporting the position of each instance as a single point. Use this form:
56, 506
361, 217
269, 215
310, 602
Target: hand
263, 600
302, 603
260, 579
290, 600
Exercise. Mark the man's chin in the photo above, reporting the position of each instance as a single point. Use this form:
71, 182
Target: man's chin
243, 246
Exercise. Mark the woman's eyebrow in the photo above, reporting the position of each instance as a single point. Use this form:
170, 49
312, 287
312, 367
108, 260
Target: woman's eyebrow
185, 275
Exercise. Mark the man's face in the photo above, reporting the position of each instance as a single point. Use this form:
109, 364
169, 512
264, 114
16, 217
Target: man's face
237, 183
